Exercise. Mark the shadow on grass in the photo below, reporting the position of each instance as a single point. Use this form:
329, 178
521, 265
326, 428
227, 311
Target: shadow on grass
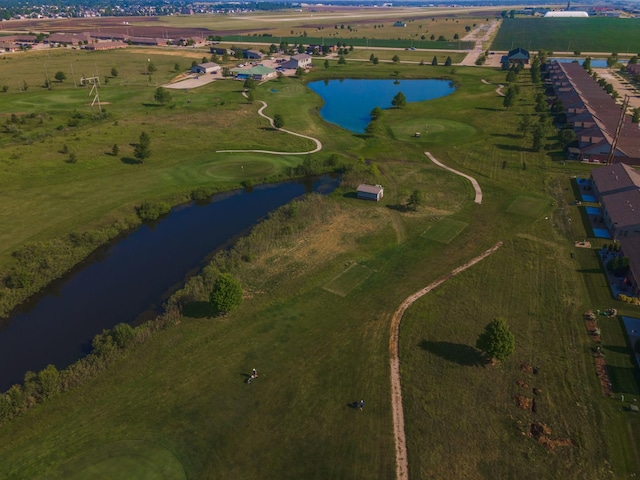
490, 109
350, 195
464, 355
506, 135
590, 270
619, 349
513, 148
624, 379
152, 105
199, 310
130, 161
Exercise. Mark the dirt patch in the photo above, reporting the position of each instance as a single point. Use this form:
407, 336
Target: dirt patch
522, 402
525, 367
541, 432
522, 384
603, 376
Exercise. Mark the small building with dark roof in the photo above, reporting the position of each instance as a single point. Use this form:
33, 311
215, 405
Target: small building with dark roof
517, 55
301, 60
370, 192
252, 54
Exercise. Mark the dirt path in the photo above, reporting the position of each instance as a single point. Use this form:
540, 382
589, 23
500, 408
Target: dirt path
260, 112
474, 182
402, 464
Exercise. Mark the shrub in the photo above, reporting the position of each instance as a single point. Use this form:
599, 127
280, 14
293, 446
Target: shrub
226, 294
152, 210
123, 335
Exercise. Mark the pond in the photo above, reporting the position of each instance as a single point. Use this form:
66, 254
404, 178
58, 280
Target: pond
595, 62
348, 102
130, 279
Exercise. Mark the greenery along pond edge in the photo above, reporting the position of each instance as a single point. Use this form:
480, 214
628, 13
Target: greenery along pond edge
282, 226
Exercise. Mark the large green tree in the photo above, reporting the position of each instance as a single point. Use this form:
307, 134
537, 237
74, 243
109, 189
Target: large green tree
141, 150
278, 121
497, 341
162, 95
226, 294
399, 100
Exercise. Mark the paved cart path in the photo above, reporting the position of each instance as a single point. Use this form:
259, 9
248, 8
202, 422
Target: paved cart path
260, 112
402, 464
474, 182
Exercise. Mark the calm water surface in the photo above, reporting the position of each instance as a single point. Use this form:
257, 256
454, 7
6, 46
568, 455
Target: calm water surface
131, 278
348, 102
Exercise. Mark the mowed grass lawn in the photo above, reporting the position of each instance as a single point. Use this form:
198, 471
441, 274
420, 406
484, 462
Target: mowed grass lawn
619, 35
183, 393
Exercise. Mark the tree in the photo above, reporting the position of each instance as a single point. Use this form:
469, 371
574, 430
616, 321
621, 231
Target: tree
376, 113
326, 64
414, 200
497, 341
141, 150
395, 59
434, 62
399, 100
538, 137
226, 294
376, 60
447, 62
60, 76
114, 72
635, 118
278, 121
115, 150
525, 124
509, 98
300, 72
341, 60
162, 95
250, 83
151, 68
566, 136
49, 380
250, 96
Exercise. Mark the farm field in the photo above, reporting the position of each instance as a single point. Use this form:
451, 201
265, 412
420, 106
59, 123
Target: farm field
619, 35
319, 297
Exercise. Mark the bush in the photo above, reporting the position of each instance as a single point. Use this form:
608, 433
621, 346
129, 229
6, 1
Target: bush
152, 210
226, 294
123, 334
618, 265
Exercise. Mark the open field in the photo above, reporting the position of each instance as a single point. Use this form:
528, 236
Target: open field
180, 400
620, 35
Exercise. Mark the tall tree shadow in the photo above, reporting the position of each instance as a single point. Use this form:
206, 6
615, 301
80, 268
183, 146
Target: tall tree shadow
199, 310
464, 355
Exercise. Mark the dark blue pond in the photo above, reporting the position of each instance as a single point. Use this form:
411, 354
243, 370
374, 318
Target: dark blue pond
130, 279
348, 102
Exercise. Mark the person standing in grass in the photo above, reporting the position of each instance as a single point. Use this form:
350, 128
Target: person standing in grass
361, 405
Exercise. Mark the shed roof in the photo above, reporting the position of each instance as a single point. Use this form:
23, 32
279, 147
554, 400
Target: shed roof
209, 65
375, 189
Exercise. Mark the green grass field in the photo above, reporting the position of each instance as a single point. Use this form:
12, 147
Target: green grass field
178, 406
619, 35
444, 230
351, 278
528, 206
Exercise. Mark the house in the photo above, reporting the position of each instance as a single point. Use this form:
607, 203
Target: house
99, 46
633, 69
221, 51
617, 188
8, 47
370, 192
399, 24
517, 55
302, 60
252, 54
209, 67
630, 248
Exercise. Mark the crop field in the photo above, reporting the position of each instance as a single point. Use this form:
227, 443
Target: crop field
620, 35
321, 281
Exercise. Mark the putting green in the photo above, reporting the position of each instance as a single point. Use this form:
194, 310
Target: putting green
433, 130
348, 280
130, 459
445, 230
528, 206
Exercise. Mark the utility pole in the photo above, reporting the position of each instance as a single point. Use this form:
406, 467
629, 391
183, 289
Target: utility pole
614, 143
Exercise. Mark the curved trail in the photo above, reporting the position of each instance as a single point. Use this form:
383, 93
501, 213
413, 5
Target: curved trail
474, 182
260, 112
402, 464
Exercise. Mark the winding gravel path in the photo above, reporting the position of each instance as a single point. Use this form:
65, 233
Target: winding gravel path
402, 464
260, 112
474, 182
